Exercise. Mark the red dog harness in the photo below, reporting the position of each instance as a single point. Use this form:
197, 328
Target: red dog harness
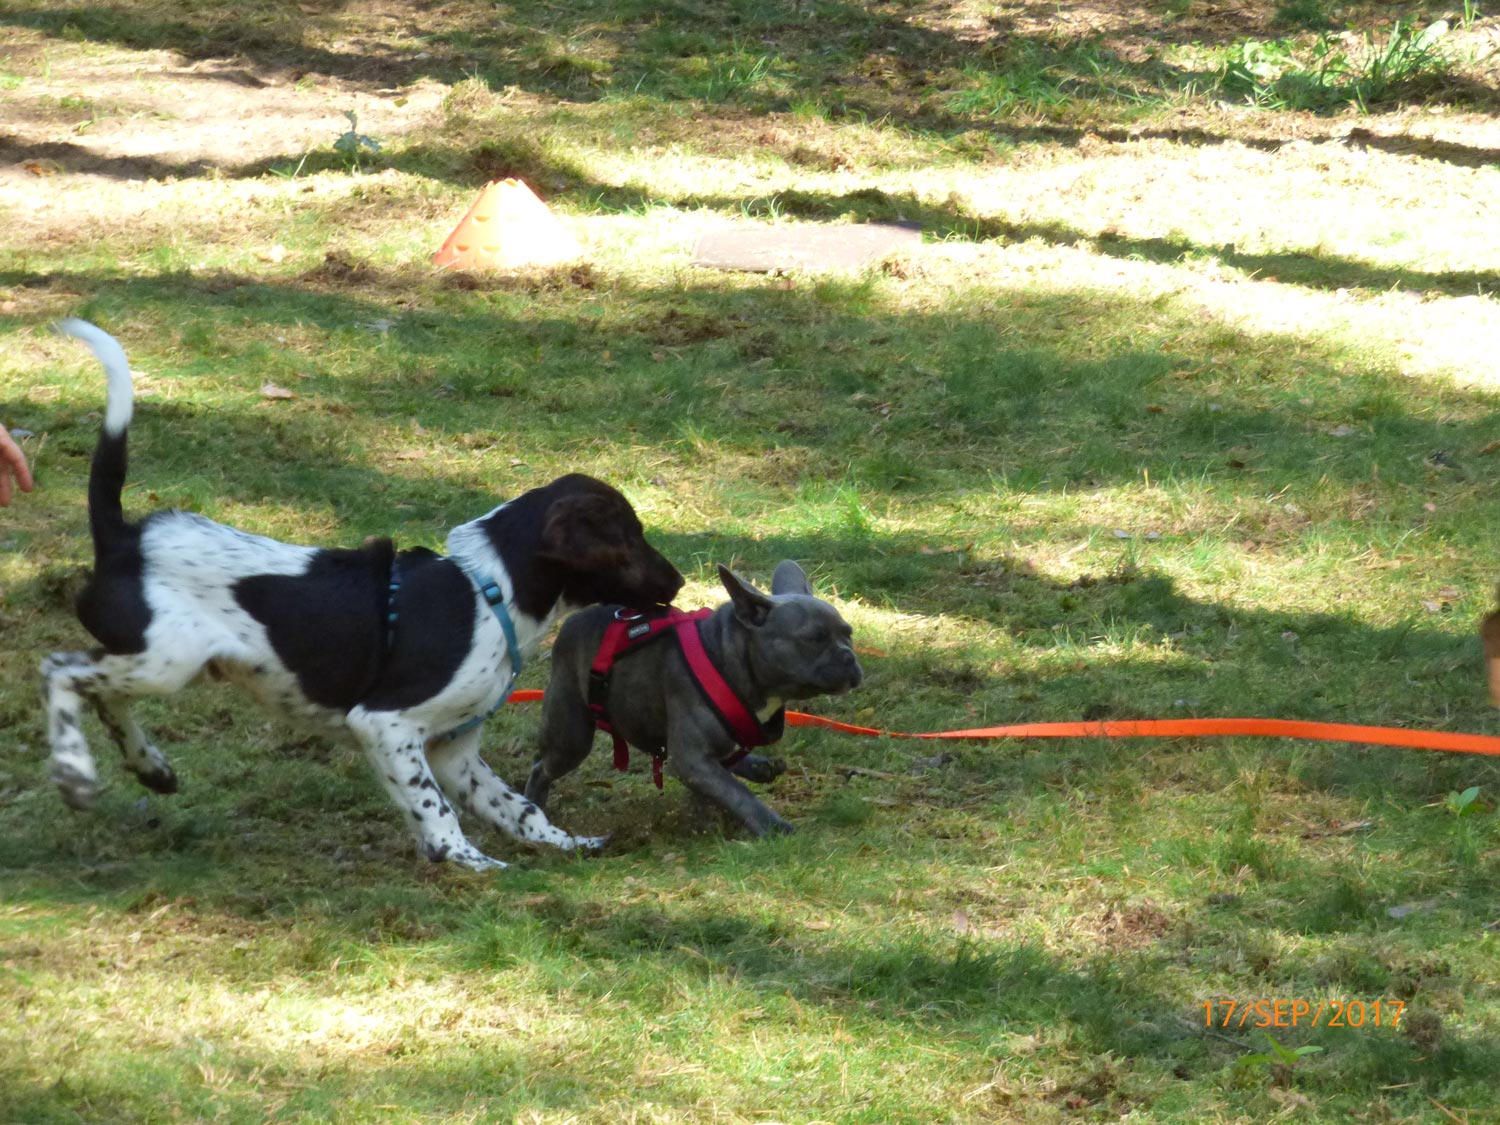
628, 632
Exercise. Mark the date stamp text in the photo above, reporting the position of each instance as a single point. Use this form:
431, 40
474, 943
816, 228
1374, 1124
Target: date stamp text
1302, 1013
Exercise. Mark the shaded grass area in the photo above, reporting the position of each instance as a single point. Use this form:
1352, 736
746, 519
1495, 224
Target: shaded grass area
844, 59
944, 69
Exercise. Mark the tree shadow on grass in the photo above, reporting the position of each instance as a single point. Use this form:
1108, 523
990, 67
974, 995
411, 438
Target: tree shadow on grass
1037, 417
939, 221
501, 157
849, 61
950, 221
858, 60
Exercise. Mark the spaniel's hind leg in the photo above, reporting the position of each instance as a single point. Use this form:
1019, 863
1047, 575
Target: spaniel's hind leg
67, 677
109, 682
143, 759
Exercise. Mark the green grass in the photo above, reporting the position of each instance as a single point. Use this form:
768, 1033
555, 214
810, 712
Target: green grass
1405, 62
1153, 425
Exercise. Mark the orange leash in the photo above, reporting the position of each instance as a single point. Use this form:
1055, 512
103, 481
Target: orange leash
1453, 742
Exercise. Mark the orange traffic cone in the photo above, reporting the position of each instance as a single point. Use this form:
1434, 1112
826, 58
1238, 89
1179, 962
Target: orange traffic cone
508, 226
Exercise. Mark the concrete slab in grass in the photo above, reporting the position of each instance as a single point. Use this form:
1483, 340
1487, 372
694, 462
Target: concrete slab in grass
805, 246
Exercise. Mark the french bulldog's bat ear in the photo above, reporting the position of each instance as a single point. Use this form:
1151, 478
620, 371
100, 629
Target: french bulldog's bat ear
789, 579
750, 605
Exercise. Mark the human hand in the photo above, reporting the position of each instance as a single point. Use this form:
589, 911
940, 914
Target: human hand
12, 464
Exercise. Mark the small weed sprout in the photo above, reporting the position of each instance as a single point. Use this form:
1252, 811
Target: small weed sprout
1463, 806
352, 143
1407, 55
1280, 1062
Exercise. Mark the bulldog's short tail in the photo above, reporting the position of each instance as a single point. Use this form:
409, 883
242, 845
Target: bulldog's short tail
107, 475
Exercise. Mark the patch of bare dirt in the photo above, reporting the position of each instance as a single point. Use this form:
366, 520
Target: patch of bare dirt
154, 114
1125, 25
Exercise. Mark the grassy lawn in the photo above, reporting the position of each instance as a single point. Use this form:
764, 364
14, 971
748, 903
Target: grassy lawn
1187, 406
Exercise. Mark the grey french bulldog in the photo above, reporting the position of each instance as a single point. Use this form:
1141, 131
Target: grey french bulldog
769, 650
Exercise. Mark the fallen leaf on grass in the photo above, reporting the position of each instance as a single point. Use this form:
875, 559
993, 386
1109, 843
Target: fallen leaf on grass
272, 391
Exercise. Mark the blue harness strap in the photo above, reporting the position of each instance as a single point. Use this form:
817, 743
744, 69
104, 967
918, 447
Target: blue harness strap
495, 599
392, 589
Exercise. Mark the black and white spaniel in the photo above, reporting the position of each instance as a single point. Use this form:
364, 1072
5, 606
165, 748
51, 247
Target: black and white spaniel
407, 650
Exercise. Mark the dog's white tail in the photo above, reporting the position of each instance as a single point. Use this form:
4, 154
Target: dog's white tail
107, 473
120, 396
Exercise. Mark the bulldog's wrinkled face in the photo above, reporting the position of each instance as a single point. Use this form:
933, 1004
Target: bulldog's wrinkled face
802, 646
